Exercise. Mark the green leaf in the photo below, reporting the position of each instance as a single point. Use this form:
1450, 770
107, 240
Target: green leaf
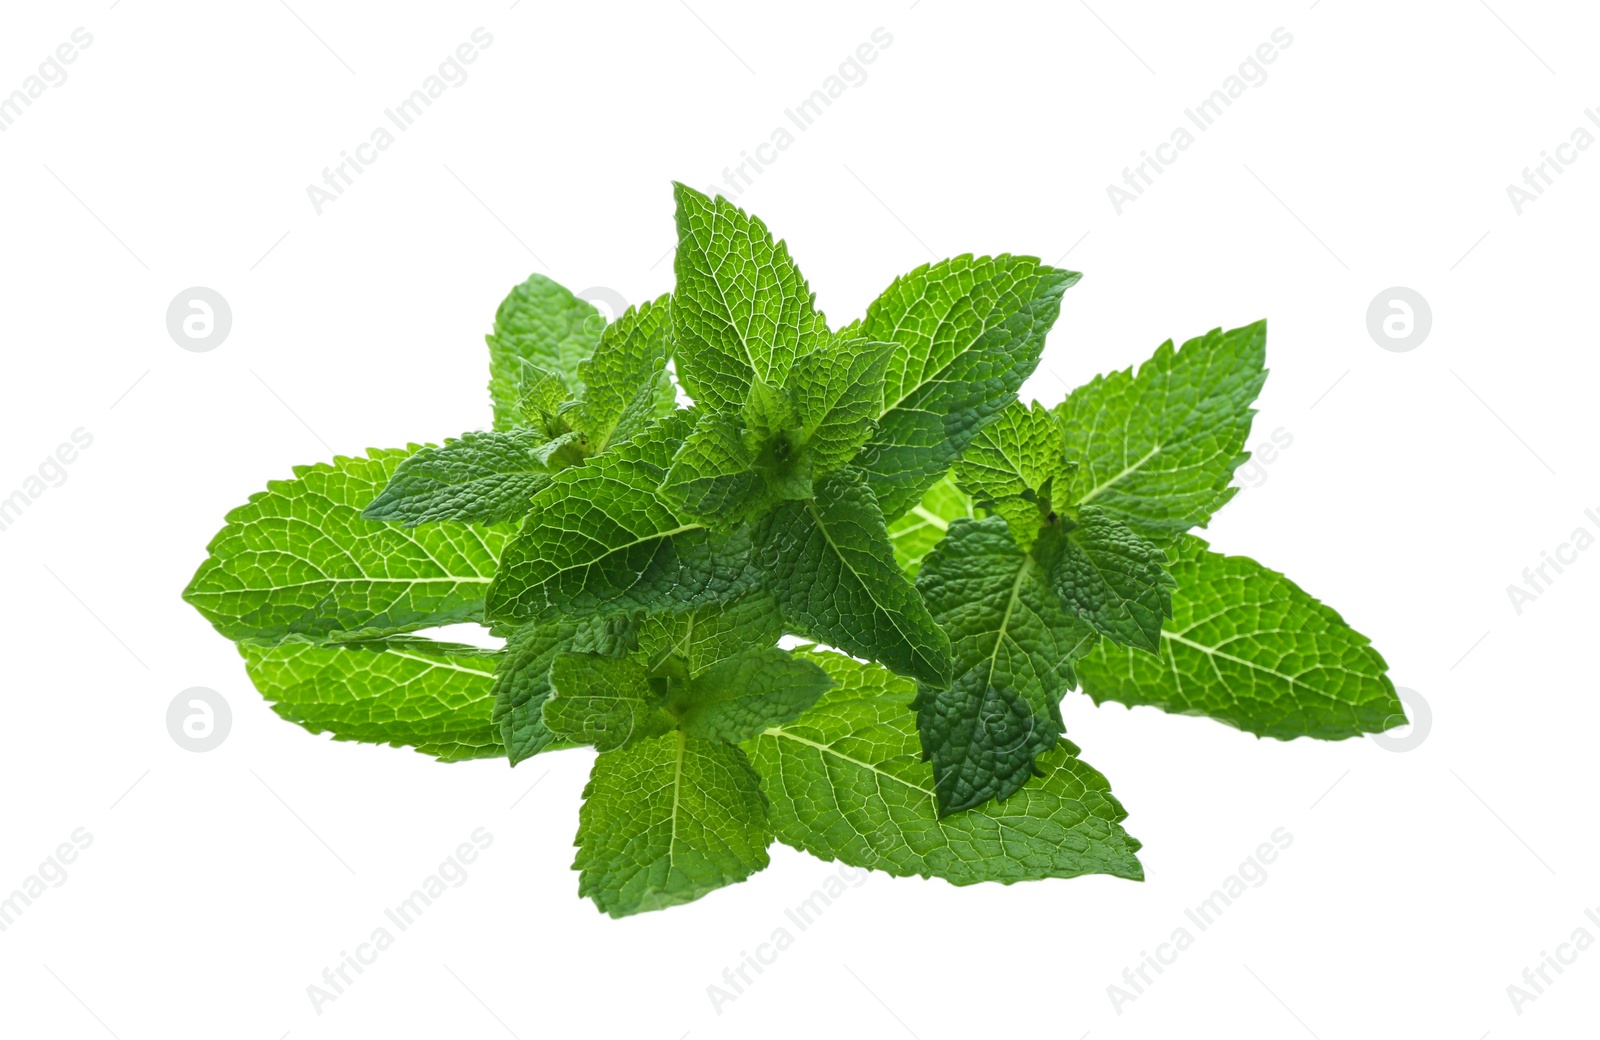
604, 701
522, 680
404, 692
1158, 450
1249, 647
542, 397
600, 540
697, 639
713, 476
1109, 577
667, 820
922, 527
1013, 466
742, 312
625, 383
1013, 647
485, 478
838, 396
831, 568
967, 333
299, 559
541, 322
740, 696
847, 781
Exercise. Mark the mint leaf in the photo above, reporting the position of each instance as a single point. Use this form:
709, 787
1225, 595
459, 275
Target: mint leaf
967, 332
667, 820
298, 559
1013, 467
1013, 647
846, 781
604, 701
740, 696
838, 395
1158, 449
1249, 647
600, 540
713, 477
924, 524
742, 312
542, 398
688, 642
831, 568
522, 679
1109, 577
625, 383
485, 478
541, 322
404, 692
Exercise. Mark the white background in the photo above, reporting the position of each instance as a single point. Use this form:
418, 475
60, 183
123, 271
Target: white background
1418, 486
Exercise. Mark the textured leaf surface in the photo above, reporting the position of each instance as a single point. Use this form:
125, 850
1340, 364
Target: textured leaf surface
435, 697
1013, 647
603, 701
485, 478
1251, 648
713, 478
625, 383
601, 540
700, 638
741, 311
967, 332
847, 781
838, 396
299, 559
522, 683
1110, 577
667, 820
925, 523
542, 322
740, 696
831, 568
1013, 466
1158, 449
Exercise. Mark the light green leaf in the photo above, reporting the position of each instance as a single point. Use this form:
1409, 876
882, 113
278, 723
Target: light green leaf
485, 478
742, 312
838, 395
1249, 647
831, 568
600, 540
740, 696
847, 781
1158, 450
299, 559
1013, 647
522, 678
1013, 466
541, 322
627, 378
922, 527
697, 639
604, 701
1109, 577
713, 478
542, 397
404, 692
967, 333
667, 820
